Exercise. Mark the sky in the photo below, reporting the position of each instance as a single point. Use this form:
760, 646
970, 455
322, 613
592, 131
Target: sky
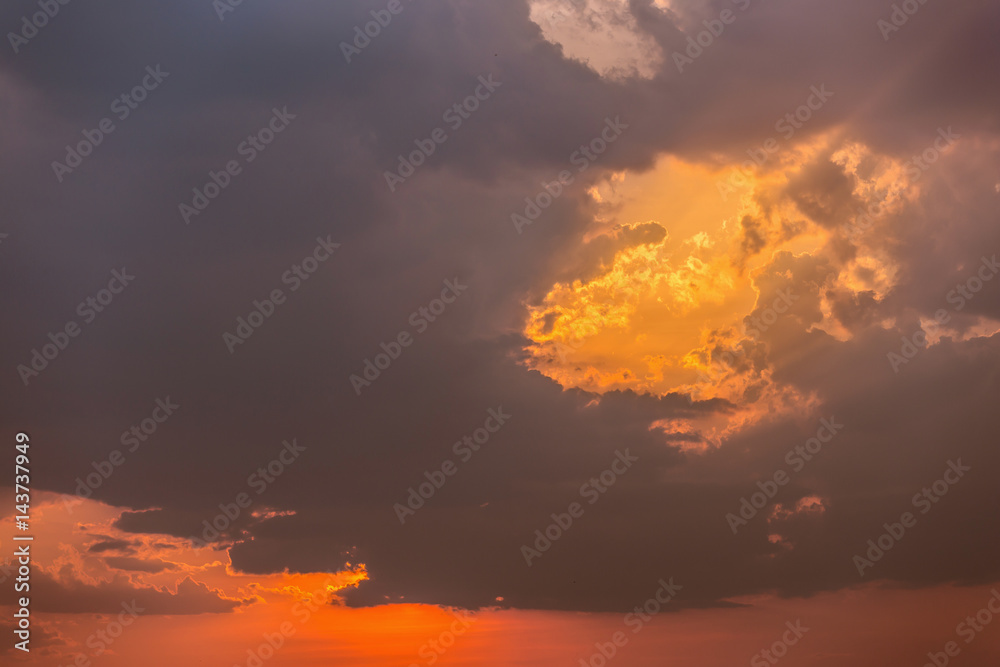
468, 332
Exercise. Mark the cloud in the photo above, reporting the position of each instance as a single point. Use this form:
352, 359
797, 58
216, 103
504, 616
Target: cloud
152, 565
123, 546
55, 595
658, 244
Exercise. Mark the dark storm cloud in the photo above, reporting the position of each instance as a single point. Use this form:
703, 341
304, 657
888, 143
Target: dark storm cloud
323, 176
152, 565
71, 597
123, 546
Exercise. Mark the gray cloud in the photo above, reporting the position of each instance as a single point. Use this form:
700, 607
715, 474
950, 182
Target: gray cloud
324, 176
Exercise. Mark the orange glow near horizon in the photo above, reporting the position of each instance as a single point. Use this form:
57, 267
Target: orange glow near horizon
298, 614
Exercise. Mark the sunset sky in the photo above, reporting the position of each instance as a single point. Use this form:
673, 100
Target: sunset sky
502, 332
